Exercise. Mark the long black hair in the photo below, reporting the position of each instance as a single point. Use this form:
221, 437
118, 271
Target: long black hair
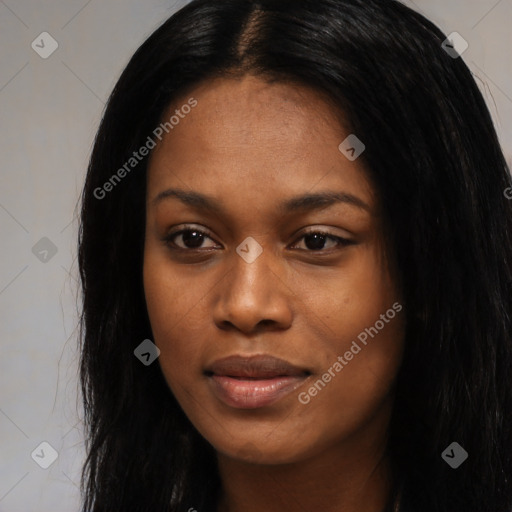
435, 161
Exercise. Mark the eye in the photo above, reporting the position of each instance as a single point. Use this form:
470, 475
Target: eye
189, 239
319, 240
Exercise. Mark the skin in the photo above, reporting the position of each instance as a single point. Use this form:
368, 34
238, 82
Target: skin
251, 145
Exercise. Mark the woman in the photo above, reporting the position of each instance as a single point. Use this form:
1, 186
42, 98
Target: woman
296, 257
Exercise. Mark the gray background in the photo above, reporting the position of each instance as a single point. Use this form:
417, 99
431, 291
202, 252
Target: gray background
50, 109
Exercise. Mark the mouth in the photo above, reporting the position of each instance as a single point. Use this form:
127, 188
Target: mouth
250, 382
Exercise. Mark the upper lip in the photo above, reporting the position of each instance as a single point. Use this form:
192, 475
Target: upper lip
259, 366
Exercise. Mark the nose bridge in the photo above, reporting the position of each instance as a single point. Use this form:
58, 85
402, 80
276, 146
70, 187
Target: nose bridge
251, 278
252, 291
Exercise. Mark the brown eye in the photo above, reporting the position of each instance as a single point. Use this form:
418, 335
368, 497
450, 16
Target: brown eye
188, 239
319, 240
316, 241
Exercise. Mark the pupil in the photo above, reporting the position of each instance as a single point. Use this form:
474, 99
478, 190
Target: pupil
192, 238
318, 241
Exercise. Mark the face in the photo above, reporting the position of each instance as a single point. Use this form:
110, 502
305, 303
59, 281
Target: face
264, 239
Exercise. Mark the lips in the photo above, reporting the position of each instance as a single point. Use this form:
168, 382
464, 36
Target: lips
254, 367
253, 382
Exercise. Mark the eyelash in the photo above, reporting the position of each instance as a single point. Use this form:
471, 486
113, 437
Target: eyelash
342, 242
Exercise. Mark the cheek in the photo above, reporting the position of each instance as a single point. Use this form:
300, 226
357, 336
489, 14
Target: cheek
359, 365
356, 312
174, 310
344, 303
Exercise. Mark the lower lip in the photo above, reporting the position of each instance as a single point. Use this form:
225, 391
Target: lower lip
251, 394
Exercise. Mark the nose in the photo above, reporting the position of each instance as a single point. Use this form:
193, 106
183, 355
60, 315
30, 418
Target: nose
252, 297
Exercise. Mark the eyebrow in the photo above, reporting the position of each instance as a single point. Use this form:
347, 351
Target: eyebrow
305, 202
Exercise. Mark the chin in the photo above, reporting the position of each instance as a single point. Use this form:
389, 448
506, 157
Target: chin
254, 452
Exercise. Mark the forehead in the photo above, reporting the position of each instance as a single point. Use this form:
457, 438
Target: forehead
258, 138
